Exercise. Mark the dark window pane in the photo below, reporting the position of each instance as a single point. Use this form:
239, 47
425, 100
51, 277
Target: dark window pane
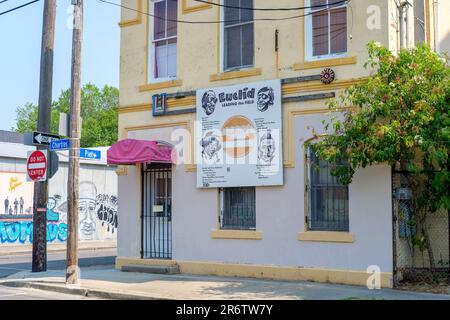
231, 15
246, 15
320, 33
247, 45
233, 47
238, 210
338, 35
318, 3
172, 13
159, 27
336, 2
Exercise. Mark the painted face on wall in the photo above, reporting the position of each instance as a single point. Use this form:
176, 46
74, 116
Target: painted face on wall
266, 148
212, 147
209, 101
265, 98
86, 211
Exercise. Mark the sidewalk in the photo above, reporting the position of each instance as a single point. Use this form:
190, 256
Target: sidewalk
8, 249
114, 284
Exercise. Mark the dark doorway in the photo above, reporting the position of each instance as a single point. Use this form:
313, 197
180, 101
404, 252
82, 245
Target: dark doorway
157, 211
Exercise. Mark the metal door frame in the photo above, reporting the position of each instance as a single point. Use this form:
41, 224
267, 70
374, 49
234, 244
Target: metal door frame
160, 249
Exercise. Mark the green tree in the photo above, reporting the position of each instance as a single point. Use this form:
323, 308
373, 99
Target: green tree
98, 110
399, 116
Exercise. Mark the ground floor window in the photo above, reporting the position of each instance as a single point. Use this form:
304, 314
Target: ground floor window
327, 196
238, 208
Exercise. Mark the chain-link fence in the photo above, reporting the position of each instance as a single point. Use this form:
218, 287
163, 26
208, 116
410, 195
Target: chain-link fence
421, 239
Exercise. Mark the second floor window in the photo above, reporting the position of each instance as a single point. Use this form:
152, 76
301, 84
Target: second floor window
327, 196
326, 28
238, 34
163, 31
238, 208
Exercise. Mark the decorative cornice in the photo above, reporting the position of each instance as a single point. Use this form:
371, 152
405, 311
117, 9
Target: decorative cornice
236, 74
188, 9
160, 85
325, 63
319, 86
289, 88
137, 20
171, 103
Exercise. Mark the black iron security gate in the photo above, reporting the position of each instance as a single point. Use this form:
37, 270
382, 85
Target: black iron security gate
156, 211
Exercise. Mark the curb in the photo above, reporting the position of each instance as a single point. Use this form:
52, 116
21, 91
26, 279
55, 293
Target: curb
80, 291
56, 250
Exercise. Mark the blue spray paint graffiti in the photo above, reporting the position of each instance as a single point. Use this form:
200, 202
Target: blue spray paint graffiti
22, 232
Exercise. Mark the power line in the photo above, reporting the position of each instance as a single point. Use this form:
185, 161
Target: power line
273, 9
3, 1
211, 22
17, 8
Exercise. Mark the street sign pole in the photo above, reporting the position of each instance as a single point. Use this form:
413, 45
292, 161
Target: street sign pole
39, 257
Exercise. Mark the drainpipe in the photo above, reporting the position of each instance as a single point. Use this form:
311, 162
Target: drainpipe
404, 20
436, 26
402, 29
407, 23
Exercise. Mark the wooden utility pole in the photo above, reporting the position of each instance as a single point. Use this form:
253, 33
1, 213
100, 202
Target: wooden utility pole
74, 154
39, 259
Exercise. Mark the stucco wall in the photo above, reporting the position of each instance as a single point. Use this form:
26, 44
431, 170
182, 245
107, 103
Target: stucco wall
128, 240
279, 215
280, 210
199, 48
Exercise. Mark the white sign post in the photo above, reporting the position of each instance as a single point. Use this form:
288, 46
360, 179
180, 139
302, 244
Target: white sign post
239, 139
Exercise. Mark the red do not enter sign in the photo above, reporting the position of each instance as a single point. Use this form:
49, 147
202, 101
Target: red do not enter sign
37, 165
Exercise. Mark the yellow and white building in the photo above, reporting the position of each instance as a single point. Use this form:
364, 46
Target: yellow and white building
308, 228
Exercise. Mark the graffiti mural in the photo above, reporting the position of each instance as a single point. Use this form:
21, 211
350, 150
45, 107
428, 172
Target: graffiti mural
97, 213
52, 214
22, 232
15, 194
107, 211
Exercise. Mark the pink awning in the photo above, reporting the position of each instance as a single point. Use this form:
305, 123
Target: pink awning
132, 151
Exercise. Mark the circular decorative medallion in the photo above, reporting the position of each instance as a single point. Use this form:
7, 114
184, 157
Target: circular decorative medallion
327, 76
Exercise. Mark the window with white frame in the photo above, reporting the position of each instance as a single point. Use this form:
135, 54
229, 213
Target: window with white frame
238, 35
163, 39
327, 197
326, 28
237, 209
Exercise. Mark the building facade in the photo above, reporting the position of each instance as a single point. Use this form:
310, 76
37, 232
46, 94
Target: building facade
306, 227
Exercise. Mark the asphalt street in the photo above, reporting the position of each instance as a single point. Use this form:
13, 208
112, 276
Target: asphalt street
56, 261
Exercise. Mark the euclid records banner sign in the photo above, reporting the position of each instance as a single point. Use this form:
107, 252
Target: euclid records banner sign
239, 135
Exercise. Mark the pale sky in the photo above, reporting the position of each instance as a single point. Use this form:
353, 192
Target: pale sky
20, 49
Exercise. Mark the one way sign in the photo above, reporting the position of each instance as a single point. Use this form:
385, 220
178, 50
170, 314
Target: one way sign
40, 138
